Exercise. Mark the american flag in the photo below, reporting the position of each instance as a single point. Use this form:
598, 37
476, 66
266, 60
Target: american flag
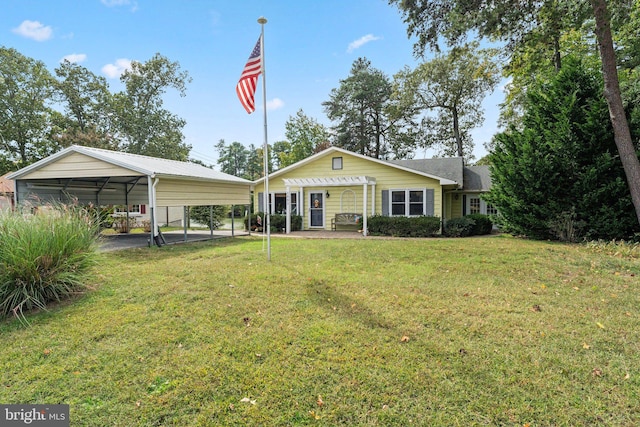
246, 87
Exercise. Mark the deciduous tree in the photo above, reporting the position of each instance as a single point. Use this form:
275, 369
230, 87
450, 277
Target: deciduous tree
450, 88
26, 89
305, 136
88, 112
511, 21
144, 126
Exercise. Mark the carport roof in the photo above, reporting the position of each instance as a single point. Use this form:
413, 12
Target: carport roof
139, 165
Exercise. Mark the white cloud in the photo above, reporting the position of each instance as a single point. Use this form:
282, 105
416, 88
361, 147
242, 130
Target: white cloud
111, 3
361, 41
75, 58
113, 71
117, 3
34, 30
275, 104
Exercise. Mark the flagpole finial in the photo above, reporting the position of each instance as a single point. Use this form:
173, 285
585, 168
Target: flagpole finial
262, 20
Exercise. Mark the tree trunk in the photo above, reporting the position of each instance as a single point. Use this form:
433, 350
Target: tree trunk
621, 132
456, 132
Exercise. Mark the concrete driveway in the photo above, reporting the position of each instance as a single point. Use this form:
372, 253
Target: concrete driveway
116, 242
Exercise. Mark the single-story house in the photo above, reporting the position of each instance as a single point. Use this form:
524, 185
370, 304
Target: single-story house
336, 181
7, 188
147, 185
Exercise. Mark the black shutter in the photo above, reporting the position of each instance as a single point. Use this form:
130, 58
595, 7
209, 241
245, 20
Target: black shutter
464, 205
385, 202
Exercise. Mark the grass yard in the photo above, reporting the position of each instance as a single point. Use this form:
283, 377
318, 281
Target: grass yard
434, 332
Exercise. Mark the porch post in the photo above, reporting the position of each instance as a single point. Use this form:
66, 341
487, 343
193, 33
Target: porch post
288, 210
301, 206
373, 199
365, 190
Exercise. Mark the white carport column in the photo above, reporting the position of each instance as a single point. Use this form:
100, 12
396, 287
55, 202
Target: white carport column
365, 203
288, 208
151, 189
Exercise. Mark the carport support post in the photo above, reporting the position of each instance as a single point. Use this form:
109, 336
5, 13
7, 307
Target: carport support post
211, 221
233, 217
152, 209
186, 213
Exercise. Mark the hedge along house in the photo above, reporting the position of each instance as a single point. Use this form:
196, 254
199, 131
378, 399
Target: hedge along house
337, 181
106, 178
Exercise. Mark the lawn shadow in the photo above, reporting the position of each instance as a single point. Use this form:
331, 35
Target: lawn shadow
340, 304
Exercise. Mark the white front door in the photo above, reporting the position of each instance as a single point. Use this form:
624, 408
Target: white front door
316, 210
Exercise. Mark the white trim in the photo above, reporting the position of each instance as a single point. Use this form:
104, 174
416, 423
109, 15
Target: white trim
331, 150
407, 203
329, 182
355, 202
482, 207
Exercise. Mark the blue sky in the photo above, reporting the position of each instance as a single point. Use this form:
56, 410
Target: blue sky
309, 47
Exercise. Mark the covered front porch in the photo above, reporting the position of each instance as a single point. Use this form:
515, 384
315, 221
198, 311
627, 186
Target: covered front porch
317, 200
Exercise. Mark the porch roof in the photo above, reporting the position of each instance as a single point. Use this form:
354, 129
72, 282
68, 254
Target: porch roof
335, 181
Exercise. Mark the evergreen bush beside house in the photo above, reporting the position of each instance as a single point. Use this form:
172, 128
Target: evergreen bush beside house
44, 255
560, 176
400, 226
459, 227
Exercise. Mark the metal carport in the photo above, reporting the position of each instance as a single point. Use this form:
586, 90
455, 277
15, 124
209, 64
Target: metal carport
102, 177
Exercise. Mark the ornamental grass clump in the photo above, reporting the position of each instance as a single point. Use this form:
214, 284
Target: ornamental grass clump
44, 255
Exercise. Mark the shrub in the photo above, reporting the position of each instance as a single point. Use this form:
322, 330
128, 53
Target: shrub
459, 227
483, 224
207, 215
44, 256
278, 222
104, 215
399, 226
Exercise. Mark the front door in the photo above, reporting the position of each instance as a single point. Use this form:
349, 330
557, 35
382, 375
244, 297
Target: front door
316, 210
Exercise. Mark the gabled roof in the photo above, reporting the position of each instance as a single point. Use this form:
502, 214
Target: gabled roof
332, 150
477, 178
139, 165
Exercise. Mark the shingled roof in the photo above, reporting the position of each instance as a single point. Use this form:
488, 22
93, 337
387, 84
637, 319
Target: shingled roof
450, 168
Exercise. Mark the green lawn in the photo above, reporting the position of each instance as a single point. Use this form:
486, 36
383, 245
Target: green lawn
477, 331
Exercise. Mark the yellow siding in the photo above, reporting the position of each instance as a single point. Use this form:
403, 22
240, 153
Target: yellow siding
78, 165
387, 177
456, 206
193, 193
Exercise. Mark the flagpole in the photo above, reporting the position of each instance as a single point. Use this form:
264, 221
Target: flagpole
265, 150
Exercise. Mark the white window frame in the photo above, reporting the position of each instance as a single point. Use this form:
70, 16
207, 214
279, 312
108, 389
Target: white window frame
122, 209
294, 205
337, 163
483, 206
407, 201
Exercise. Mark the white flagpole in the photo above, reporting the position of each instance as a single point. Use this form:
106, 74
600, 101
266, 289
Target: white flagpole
265, 150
